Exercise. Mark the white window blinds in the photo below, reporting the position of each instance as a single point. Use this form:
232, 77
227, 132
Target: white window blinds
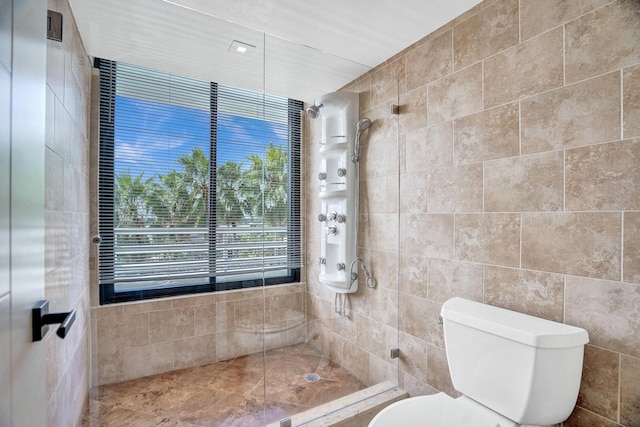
199, 185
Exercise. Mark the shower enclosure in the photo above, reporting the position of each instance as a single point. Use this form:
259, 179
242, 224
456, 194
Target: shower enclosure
257, 355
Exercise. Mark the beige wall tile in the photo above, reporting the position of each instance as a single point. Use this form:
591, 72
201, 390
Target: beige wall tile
531, 67
204, 319
584, 113
146, 306
581, 417
168, 325
582, 244
429, 147
488, 238
537, 16
384, 304
419, 317
631, 101
455, 189
490, 31
531, 292
448, 279
371, 335
603, 177
147, 360
286, 307
413, 274
356, 361
379, 160
413, 193
413, 110
456, 95
631, 244
607, 310
381, 370
603, 40
438, 370
599, 386
490, 134
115, 333
413, 356
194, 351
428, 235
629, 390
429, 61
386, 83
525, 184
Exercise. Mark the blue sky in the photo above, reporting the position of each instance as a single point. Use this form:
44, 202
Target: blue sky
151, 136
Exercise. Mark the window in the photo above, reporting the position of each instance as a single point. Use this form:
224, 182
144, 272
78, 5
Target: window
199, 186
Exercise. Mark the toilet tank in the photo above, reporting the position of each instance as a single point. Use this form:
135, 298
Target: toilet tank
523, 367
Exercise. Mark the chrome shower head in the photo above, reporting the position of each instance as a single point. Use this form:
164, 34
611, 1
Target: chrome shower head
363, 124
313, 111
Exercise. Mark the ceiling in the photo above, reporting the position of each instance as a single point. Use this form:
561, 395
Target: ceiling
296, 49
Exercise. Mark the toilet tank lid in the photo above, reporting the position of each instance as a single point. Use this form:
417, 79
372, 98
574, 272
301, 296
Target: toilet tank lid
519, 327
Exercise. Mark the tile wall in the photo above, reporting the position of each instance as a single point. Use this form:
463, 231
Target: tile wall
138, 339
511, 177
67, 219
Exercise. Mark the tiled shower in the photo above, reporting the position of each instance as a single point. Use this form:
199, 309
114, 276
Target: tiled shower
509, 176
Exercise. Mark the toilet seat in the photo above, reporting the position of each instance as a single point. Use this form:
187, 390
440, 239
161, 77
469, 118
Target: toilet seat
439, 410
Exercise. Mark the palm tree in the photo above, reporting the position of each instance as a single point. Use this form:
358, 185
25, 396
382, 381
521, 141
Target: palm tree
230, 200
196, 176
131, 195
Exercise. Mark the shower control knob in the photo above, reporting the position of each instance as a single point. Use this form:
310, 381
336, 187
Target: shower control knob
322, 176
322, 261
332, 230
322, 217
342, 172
331, 216
340, 266
341, 219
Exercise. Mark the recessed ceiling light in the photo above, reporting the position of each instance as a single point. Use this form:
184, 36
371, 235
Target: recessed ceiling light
240, 47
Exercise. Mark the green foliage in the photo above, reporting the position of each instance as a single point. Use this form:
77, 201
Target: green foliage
257, 193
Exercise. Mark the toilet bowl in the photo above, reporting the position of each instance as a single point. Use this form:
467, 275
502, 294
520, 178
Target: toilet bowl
439, 410
511, 368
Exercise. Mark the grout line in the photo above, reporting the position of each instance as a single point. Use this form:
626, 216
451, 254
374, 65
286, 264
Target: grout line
622, 247
619, 386
564, 51
621, 104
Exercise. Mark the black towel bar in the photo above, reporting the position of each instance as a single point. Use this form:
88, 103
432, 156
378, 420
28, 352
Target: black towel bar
42, 319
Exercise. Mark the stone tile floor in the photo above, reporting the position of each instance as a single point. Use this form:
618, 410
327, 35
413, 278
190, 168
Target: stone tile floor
230, 393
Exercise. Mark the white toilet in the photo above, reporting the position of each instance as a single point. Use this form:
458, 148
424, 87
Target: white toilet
511, 368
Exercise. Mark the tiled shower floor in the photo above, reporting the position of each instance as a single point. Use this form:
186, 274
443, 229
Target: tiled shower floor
228, 393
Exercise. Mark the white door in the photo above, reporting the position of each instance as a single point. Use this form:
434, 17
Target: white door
22, 123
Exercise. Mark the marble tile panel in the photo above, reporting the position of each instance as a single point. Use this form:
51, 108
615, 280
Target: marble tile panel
413, 356
489, 134
599, 386
356, 361
490, 31
529, 68
145, 360
607, 310
167, 325
581, 417
429, 61
631, 101
531, 183
146, 306
413, 110
438, 375
537, 16
488, 238
603, 40
194, 351
204, 319
531, 292
456, 95
448, 279
603, 177
580, 114
379, 160
430, 147
582, 244
631, 245
413, 274
413, 193
629, 390
428, 235
419, 318
387, 83
455, 189
371, 336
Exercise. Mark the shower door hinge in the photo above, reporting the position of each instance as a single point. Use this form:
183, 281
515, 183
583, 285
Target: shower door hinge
54, 25
395, 109
285, 422
394, 353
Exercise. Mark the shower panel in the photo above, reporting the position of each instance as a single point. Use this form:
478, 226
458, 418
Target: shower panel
338, 181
